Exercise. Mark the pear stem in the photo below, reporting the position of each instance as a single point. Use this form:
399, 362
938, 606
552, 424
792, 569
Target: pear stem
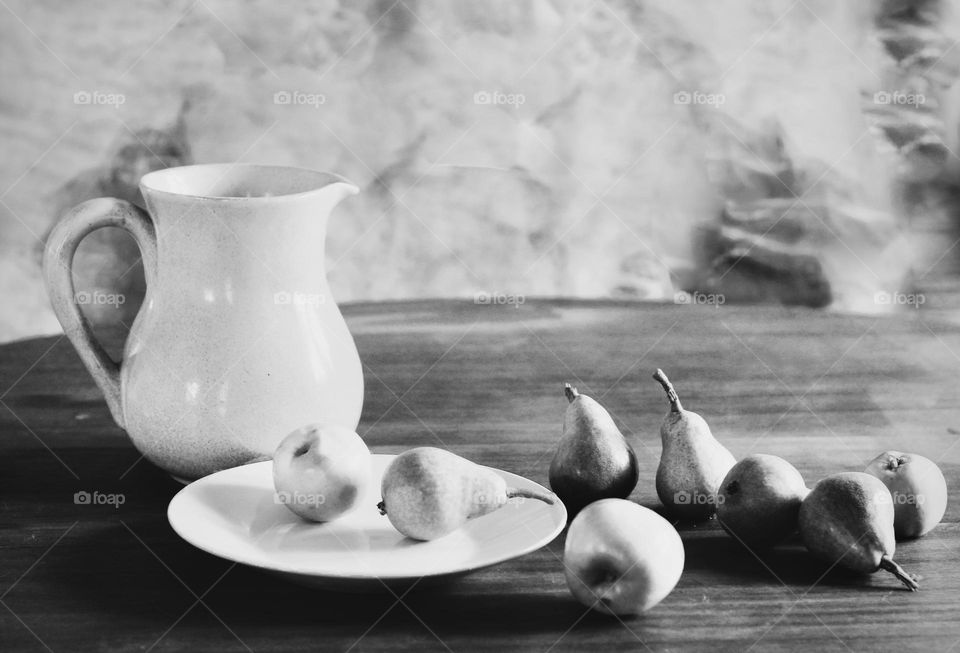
530, 494
662, 379
571, 392
887, 564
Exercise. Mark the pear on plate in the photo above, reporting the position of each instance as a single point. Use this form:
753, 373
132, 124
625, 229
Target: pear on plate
321, 471
429, 492
918, 490
692, 464
593, 460
759, 500
847, 519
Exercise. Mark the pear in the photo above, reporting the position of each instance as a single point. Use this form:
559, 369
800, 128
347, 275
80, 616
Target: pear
918, 489
428, 492
621, 558
593, 461
692, 464
320, 471
847, 519
758, 502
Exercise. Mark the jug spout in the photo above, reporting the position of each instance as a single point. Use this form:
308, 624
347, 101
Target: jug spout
321, 202
338, 189
341, 188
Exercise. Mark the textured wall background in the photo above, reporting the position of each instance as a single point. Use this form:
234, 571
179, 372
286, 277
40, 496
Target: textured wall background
591, 149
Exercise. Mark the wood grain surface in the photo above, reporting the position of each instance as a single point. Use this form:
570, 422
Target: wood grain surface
827, 392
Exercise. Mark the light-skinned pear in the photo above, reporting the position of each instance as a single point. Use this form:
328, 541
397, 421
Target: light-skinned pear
692, 464
759, 500
593, 460
918, 490
321, 471
428, 492
847, 520
621, 558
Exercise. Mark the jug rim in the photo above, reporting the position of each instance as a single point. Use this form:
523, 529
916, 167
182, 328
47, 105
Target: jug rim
312, 181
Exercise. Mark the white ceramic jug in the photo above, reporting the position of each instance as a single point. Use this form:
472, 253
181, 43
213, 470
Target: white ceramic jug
238, 341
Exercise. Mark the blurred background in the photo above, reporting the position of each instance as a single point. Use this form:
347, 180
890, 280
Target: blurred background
799, 152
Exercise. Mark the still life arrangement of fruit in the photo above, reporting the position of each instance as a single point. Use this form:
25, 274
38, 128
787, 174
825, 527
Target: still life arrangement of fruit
620, 557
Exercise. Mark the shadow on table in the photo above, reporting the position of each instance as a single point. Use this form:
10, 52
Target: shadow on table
786, 564
105, 572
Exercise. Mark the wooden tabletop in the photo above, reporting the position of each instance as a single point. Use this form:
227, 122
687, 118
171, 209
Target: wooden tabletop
827, 392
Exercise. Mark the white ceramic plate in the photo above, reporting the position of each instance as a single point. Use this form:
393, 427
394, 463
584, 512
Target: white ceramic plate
233, 514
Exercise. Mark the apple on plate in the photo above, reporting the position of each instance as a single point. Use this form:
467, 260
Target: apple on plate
321, 471
918, 489
621, 558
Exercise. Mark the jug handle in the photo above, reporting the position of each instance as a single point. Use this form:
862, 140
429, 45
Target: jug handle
58, 276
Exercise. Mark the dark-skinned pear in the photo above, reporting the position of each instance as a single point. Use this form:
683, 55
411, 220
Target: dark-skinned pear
759, 500
428, 492
593, 460
847, 519
692, 464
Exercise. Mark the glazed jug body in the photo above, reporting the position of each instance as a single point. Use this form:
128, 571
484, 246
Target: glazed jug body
238, 341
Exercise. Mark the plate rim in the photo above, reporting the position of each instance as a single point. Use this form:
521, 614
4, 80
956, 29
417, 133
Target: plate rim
287, 569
